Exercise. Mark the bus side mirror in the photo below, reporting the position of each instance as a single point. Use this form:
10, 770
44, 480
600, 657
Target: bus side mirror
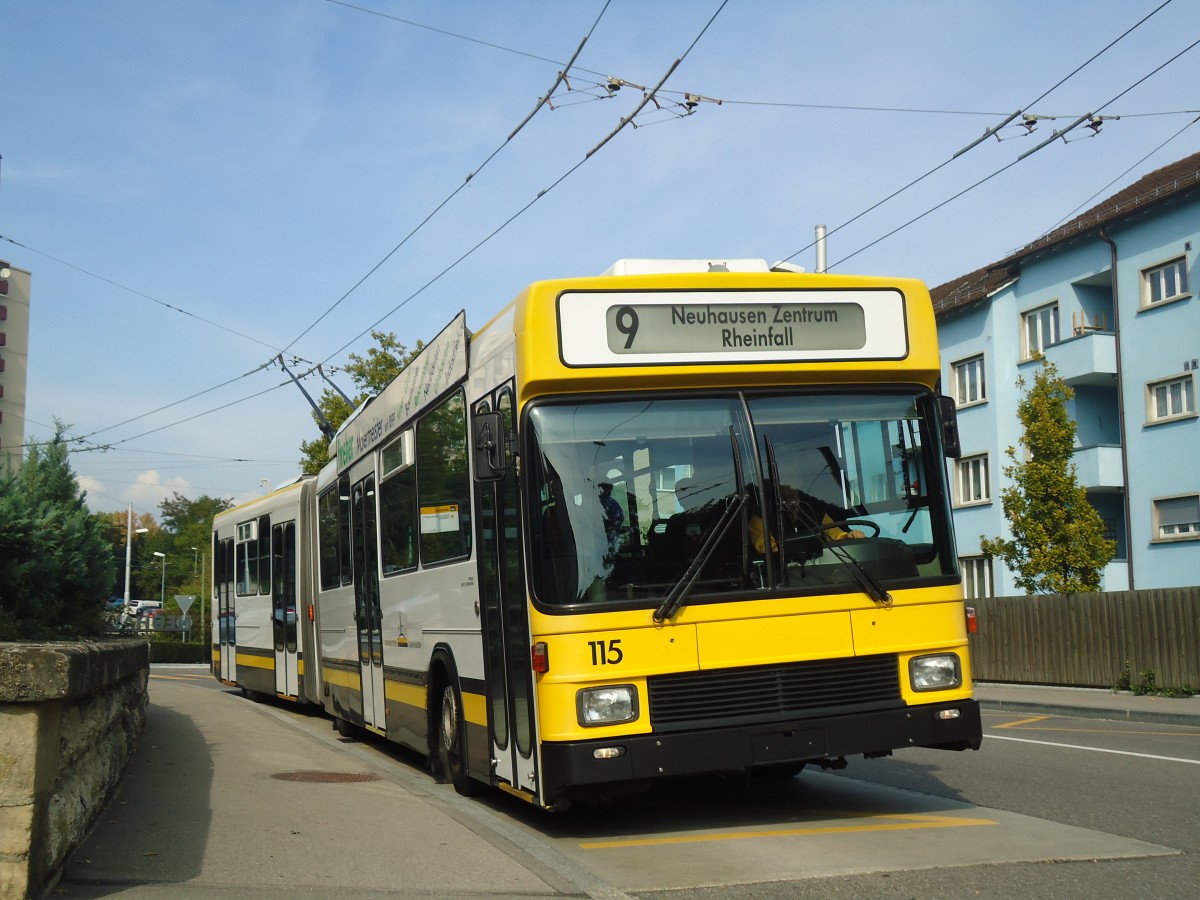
948, 410
487, 432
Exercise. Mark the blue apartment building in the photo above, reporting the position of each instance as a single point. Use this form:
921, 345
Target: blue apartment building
1107, 298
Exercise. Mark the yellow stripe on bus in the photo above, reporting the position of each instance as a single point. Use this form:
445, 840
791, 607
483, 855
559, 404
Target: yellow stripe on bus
475, 709
408, 694
255, 662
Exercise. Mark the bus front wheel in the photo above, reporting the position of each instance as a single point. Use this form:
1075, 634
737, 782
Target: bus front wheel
451, 743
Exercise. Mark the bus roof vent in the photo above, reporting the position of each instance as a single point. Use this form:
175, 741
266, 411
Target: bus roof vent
673, 266
785, 266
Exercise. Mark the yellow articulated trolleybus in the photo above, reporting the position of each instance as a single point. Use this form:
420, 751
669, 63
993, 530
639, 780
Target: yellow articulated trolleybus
646, 524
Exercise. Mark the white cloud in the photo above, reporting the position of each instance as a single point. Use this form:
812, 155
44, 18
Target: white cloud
150, 489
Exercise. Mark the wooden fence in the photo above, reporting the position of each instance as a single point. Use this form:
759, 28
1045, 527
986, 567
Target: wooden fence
1089, 640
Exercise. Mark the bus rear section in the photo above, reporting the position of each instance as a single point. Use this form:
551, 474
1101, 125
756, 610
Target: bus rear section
262, 604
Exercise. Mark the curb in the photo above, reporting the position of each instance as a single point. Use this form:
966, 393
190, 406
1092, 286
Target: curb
1091, 712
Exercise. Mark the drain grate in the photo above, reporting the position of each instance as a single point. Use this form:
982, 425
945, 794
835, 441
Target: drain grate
326, 777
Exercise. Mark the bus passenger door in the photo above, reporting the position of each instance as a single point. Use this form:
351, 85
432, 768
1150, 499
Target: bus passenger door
505, 624
226, 617
283, 608
368, 615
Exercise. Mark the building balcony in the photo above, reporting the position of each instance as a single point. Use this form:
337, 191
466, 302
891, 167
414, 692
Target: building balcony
1089, 358
1099, 468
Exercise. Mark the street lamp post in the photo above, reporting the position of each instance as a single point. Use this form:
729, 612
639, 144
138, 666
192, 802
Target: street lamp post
162, 597
129, 533
199, 587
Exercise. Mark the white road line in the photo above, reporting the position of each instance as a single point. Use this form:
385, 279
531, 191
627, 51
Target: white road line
998, 737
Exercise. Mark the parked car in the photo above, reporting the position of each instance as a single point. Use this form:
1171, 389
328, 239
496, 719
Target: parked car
141, 607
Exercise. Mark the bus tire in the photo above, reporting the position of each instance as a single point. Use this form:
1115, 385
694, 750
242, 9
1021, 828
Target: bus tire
451, 740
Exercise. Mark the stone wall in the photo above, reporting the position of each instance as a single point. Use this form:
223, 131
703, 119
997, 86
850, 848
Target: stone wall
70, 718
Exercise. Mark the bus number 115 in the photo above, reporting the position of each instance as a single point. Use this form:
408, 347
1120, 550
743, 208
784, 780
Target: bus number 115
606, 653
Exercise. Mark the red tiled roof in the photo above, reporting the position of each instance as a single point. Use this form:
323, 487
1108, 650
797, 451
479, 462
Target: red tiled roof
1153, 188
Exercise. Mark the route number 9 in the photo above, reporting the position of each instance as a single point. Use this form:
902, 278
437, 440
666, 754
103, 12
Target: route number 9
626, 321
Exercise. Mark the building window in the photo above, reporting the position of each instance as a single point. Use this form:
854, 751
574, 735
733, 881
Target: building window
1170, 399
972, 480
970, 385
977, 577
1039, 330
1177, 517
1164, 282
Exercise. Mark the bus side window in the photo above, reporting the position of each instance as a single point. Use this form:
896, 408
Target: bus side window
398, 521
444, 482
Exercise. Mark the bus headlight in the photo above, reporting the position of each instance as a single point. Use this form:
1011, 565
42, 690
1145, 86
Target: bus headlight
606, 705
939, 672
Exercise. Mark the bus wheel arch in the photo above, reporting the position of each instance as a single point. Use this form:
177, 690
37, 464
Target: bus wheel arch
448, 727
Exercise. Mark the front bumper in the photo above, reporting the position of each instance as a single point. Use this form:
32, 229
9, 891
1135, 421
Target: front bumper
572, 764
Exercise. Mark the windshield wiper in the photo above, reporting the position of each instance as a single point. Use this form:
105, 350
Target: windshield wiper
870, 585
777, 497
679, 591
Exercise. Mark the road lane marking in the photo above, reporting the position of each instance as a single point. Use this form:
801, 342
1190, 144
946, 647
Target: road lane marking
1126, 731
908, 822
1002, 737
1023, 722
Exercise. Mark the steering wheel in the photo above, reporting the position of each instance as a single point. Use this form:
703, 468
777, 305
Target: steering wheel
849, 524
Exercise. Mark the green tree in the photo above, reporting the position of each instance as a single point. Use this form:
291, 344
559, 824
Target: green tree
370, 374
56, 567
1057, 543
184, 536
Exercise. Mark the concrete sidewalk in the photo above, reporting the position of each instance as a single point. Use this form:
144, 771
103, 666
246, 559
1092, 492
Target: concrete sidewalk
233, 799
1090, 703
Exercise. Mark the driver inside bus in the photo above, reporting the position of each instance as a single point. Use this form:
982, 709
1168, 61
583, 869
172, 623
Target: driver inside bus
805, 514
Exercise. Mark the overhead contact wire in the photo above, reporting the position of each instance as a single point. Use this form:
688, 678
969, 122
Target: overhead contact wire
978, 141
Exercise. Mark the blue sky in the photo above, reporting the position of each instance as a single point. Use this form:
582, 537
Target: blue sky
194, 184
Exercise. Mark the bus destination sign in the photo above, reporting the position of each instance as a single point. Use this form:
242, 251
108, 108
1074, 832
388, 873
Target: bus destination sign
723, 327
676, 327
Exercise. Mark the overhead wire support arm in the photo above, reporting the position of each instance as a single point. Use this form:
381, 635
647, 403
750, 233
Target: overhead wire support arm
987, 134
542, 101
629, 118
1057, 134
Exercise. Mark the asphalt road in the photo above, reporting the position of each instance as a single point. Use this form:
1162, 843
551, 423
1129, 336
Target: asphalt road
1050, 807
1127, 779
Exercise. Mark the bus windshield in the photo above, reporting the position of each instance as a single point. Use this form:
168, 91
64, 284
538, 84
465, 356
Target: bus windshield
831, 489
